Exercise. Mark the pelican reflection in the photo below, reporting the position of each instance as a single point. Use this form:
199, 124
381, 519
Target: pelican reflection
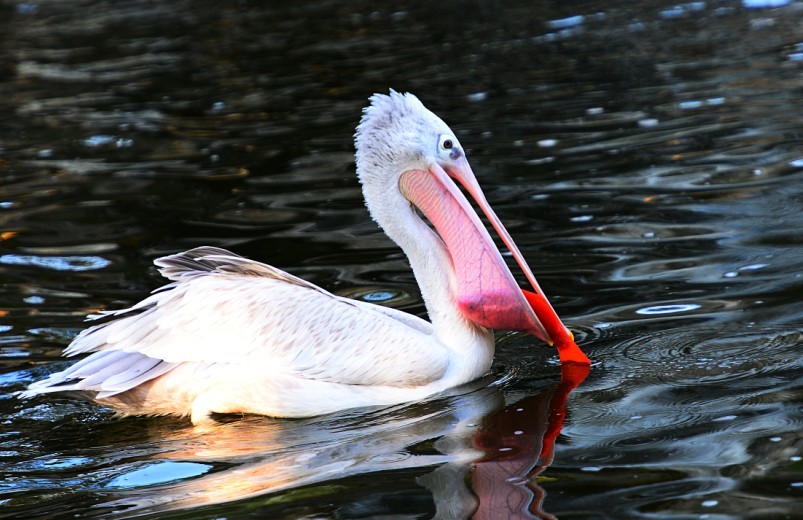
485, 459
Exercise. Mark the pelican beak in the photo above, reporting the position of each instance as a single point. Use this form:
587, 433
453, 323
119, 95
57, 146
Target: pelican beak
485, 290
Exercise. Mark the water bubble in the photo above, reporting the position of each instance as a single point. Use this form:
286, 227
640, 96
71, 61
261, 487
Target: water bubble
59, 263
378, 296
582, 218
725, 418
687, 105
591, 468
158, 473
566, 23
98, 140
762, 4
753, 267
668, 309
476, 97
709, 503
547, 143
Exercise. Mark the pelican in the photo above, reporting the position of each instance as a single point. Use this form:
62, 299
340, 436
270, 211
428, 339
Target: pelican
232, 335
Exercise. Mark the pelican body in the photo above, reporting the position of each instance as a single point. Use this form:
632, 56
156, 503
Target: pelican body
232, 335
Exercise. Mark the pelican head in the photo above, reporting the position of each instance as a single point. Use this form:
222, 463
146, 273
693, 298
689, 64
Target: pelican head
407, 157
398, 133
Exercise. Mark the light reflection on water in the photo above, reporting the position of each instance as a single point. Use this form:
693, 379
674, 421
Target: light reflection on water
60, 263
647, 160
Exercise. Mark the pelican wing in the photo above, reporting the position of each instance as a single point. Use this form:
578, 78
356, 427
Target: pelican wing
223, 308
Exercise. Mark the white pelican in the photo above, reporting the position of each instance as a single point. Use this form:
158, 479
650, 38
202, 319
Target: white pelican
232, 335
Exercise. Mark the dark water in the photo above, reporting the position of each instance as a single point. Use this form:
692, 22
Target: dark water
647, 159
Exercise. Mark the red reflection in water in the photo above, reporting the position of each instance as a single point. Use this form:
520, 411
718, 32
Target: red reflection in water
519, 442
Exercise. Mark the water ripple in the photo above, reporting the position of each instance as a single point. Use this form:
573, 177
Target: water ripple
647, 161
681, 415
382, 296
59, 263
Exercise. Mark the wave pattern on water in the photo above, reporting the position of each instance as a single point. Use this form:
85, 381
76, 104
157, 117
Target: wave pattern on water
647, 159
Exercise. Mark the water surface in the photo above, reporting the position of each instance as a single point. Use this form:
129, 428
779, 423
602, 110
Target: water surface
647, 159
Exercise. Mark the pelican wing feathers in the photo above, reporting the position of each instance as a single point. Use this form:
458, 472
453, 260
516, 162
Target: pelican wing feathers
222, 308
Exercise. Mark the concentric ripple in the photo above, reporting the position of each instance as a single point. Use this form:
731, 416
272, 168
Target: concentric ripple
678, 396
390, 297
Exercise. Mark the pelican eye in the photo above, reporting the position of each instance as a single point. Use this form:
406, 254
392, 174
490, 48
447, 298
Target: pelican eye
446, 143
448, 147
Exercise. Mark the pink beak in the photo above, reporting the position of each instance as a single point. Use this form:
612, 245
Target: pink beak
486, 292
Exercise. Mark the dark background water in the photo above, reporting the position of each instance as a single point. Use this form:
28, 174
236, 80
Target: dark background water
647, 157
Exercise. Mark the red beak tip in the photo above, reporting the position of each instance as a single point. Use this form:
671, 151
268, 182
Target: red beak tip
569, 352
